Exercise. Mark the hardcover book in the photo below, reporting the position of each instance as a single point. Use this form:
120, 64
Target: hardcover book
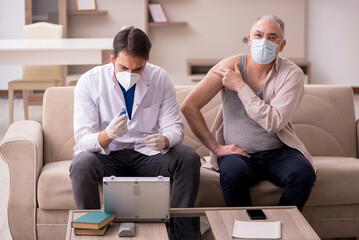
91, 232
93, 220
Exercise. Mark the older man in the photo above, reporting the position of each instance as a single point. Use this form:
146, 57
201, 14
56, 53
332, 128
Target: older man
260, 92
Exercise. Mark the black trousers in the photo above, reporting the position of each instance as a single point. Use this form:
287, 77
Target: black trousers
285, 167
181, 163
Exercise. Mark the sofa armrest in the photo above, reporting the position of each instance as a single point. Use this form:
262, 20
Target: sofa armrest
22, 150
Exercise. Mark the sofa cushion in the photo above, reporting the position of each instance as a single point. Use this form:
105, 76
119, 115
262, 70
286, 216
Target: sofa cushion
334, 185
325, 121
336, 178
57, 124
54, 187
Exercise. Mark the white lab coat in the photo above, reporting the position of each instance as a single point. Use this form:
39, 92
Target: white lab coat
98, 98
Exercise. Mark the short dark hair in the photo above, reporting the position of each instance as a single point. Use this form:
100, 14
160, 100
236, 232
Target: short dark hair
132, 40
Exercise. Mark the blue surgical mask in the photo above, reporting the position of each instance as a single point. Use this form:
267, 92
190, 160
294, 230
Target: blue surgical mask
263, 51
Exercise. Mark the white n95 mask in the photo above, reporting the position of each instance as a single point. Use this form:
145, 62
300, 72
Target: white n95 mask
126, 79
263, 51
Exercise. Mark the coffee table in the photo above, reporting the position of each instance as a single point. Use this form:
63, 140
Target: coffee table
211, 223
294, 225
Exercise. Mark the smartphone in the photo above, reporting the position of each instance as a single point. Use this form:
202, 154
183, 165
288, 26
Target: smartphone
256, 214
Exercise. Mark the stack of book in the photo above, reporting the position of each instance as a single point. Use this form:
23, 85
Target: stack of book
93, 223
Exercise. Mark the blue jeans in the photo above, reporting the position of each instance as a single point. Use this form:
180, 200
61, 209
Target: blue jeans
285, 167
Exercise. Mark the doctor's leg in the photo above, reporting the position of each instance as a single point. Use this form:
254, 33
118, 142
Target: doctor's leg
86, 173
185, 167
182, 164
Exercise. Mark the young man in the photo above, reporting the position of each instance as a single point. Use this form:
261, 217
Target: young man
260, 92
145, 140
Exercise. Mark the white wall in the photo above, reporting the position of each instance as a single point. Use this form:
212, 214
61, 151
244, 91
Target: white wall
119, 13
215, 29
332, 41
324, 31
12, 19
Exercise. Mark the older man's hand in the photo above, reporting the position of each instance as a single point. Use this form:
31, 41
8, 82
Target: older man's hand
230, 79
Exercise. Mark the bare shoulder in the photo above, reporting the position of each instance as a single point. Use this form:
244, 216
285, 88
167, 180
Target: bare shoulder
227, 62
212, 83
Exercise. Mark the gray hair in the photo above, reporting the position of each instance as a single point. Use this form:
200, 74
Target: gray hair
272, 17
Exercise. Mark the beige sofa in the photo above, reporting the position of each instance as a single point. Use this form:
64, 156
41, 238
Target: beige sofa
39, 156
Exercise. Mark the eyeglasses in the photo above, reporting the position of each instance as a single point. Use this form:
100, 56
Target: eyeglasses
272, 37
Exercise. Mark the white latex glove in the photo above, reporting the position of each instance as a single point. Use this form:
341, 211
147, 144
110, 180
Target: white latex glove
117, 127
155, 141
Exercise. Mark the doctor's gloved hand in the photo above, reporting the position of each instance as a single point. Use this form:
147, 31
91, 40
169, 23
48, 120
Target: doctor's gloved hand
155, 141
117, 127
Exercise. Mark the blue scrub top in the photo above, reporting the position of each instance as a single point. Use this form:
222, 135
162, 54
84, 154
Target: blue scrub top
129, 96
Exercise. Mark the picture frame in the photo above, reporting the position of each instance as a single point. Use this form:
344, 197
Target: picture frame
156, 13
85, 5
